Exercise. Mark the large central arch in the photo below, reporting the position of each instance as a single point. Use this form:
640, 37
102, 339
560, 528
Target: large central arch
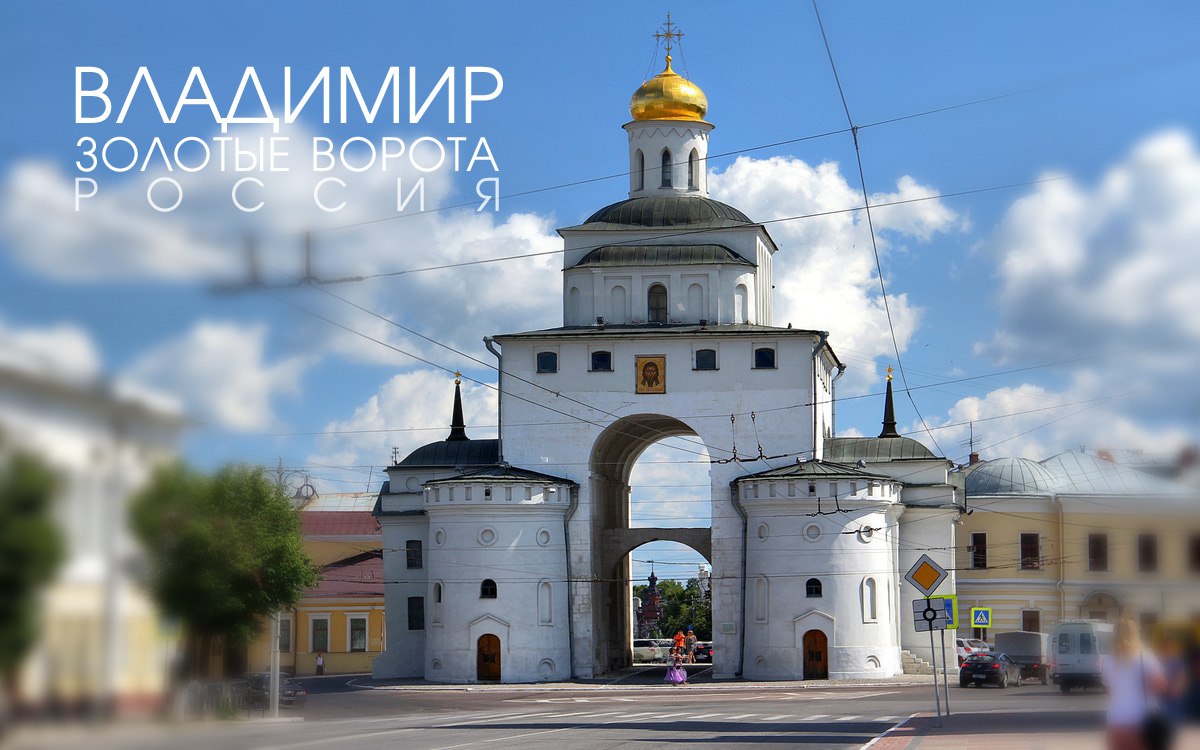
613, 456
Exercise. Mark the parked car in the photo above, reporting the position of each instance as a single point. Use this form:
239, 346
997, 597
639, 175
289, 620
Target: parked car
1078, 646
646, 650
258, 690
967, 646
1031, 651
704, 652
664, 648
987, 668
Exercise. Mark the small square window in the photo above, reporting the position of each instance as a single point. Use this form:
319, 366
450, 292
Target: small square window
547, 361
601, 361
706, 359
764, 358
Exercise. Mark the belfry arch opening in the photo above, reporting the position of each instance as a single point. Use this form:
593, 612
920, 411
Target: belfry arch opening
651, 492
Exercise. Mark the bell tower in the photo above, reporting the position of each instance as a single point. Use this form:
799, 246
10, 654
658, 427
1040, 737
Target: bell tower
668, 136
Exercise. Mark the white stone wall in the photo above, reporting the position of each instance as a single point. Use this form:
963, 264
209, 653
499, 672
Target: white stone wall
520, 544
928, 531
650, 137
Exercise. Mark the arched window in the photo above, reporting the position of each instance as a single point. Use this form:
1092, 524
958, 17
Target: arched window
601, 361
545, 604
761, 593
547, 361
693, 170
639, 168
618, 308
573, 311
437, 593
487, 589
740, 304
706, 359
666, 168
656, 304
695, 302
764, 358
870, 601
812, 588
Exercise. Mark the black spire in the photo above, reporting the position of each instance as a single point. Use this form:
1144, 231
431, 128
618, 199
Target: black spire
458, 427
889, 411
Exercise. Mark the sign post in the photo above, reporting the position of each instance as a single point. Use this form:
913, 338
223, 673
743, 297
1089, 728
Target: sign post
929, 615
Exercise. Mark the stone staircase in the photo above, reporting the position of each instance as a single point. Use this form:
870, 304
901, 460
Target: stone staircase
913, 664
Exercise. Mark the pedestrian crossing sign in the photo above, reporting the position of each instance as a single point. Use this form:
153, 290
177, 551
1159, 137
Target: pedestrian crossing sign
981, 617
950, 601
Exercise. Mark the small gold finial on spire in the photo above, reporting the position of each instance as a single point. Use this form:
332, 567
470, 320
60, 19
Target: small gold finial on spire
889, 372
458, 377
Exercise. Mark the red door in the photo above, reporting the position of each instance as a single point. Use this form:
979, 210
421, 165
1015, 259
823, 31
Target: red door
487, 658
816, 655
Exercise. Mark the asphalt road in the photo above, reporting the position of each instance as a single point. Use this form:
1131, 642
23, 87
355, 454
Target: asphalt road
640, 711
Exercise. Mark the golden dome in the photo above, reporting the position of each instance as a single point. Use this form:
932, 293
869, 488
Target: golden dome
668, 96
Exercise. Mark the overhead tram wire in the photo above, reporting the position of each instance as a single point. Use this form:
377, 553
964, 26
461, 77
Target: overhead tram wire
708, 449
871, 227
1173, 56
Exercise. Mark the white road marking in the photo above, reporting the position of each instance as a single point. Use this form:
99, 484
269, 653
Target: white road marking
741, 716
815, 716
871, 744
847, 718
777, 718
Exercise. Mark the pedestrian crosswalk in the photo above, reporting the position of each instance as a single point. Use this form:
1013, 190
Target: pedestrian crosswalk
591, 716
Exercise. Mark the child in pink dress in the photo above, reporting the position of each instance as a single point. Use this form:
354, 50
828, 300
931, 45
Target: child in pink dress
676, 674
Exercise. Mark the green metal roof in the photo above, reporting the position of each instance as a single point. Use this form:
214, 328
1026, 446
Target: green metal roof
660, 255
691, 211
851, 449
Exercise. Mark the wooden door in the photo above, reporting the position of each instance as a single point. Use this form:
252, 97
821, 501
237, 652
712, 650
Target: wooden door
816, 655
487, 658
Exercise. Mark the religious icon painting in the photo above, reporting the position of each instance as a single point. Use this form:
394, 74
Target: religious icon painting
651, 374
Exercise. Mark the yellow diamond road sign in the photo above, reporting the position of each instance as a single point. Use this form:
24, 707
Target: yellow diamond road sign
926, 575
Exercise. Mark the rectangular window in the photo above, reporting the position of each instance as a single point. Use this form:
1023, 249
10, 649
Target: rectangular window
1064, 643
416, 613
1031, 553
1087, 643
285, 634
764, 358
1098, 552
547, 361
1147, 547
1194, 554
320, 633
979, 550
706, 359
601, 361
412, 554
1031, 621
358, 634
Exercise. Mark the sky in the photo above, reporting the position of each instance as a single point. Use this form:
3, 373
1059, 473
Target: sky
1042, 287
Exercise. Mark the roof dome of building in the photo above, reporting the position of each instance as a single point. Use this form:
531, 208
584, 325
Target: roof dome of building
1012, 476
668, 96
691, 211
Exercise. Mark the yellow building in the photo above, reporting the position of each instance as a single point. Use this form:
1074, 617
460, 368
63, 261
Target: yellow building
342, 618
1076, 536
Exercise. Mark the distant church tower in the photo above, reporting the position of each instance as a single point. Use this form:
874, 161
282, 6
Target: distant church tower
666, 331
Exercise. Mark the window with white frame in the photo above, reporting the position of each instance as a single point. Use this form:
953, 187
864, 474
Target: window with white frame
356, 633
285, 634
318, 633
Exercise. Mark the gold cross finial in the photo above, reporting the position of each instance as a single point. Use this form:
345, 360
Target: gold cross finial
889, 372
668, 35
458, 377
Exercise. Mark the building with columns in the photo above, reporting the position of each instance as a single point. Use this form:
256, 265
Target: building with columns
666, 331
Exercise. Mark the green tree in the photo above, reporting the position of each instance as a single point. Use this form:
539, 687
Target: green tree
31, 549
224, 551
681, 605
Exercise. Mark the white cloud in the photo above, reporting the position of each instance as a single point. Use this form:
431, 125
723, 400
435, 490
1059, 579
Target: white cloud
825, 274
219, 372
421, 399
63, 351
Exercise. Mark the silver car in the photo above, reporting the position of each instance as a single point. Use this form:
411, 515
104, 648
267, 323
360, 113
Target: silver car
645, 650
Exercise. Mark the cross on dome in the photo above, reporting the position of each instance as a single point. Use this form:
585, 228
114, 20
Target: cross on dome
668, 35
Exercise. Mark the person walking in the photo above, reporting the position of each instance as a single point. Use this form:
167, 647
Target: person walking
689, 647
320, 663
1135, 680
678, 641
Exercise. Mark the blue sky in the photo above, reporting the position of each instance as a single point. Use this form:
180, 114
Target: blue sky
1100, 263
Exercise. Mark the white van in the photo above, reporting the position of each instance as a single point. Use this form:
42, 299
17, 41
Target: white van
1077, 647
